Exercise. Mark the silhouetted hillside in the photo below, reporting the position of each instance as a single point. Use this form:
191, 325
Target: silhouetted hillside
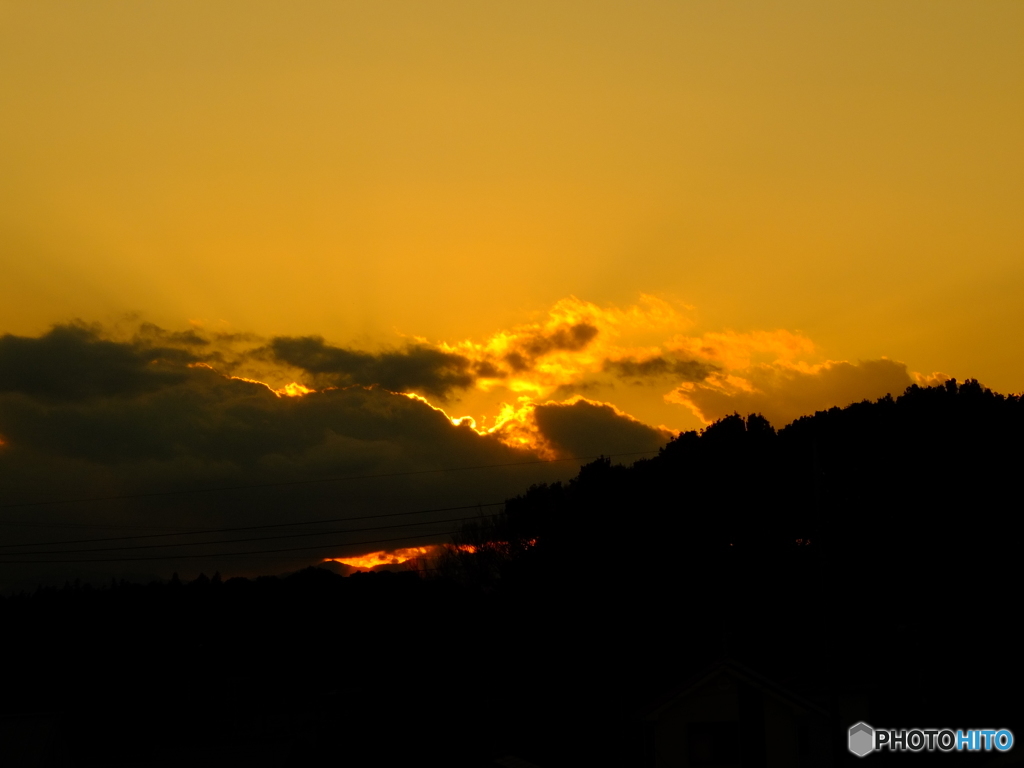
932, 476
847, 552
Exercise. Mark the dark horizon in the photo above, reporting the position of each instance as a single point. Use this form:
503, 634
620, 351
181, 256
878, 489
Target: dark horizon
280, 544
820, 566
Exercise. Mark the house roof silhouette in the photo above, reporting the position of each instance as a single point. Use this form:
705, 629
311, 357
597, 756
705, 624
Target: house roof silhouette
728, 666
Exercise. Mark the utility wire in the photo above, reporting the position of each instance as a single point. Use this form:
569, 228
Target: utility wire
96, 526
277, 525
153, 494
200, 531
227, 554
239, 541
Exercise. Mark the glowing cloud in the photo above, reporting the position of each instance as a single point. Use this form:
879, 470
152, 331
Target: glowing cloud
575, 340
294, 389
732, 350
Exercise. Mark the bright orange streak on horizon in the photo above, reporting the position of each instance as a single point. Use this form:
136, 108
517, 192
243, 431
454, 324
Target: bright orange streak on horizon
385, 557
401, 556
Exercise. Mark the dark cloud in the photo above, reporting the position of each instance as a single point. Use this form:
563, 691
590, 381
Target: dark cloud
416, 368
420, 368
83, 417
487, 370
567, 338
71, 362
655, 367
566, 391
783, 393
572, 338
517, 362
585, 428
215, 420
189, 338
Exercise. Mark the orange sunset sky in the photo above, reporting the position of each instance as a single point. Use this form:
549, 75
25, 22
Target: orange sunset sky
452, 169
672, 209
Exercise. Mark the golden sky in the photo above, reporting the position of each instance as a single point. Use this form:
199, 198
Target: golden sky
849, 171
583, 224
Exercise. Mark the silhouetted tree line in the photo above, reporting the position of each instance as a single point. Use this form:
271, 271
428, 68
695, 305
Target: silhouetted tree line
873, 545
931, 478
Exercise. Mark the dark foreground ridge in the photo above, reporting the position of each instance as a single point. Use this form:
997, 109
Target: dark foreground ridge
741, 599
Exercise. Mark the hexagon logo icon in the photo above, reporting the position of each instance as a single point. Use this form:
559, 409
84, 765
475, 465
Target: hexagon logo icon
862, 739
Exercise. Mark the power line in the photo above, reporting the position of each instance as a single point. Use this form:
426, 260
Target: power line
95, 526
263, 552
200, 531
226, 554
256, 538
283, 483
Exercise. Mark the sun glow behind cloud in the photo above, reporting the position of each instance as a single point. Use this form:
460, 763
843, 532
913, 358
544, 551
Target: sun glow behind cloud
292, 389
645, 363
632, 358
545, 361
